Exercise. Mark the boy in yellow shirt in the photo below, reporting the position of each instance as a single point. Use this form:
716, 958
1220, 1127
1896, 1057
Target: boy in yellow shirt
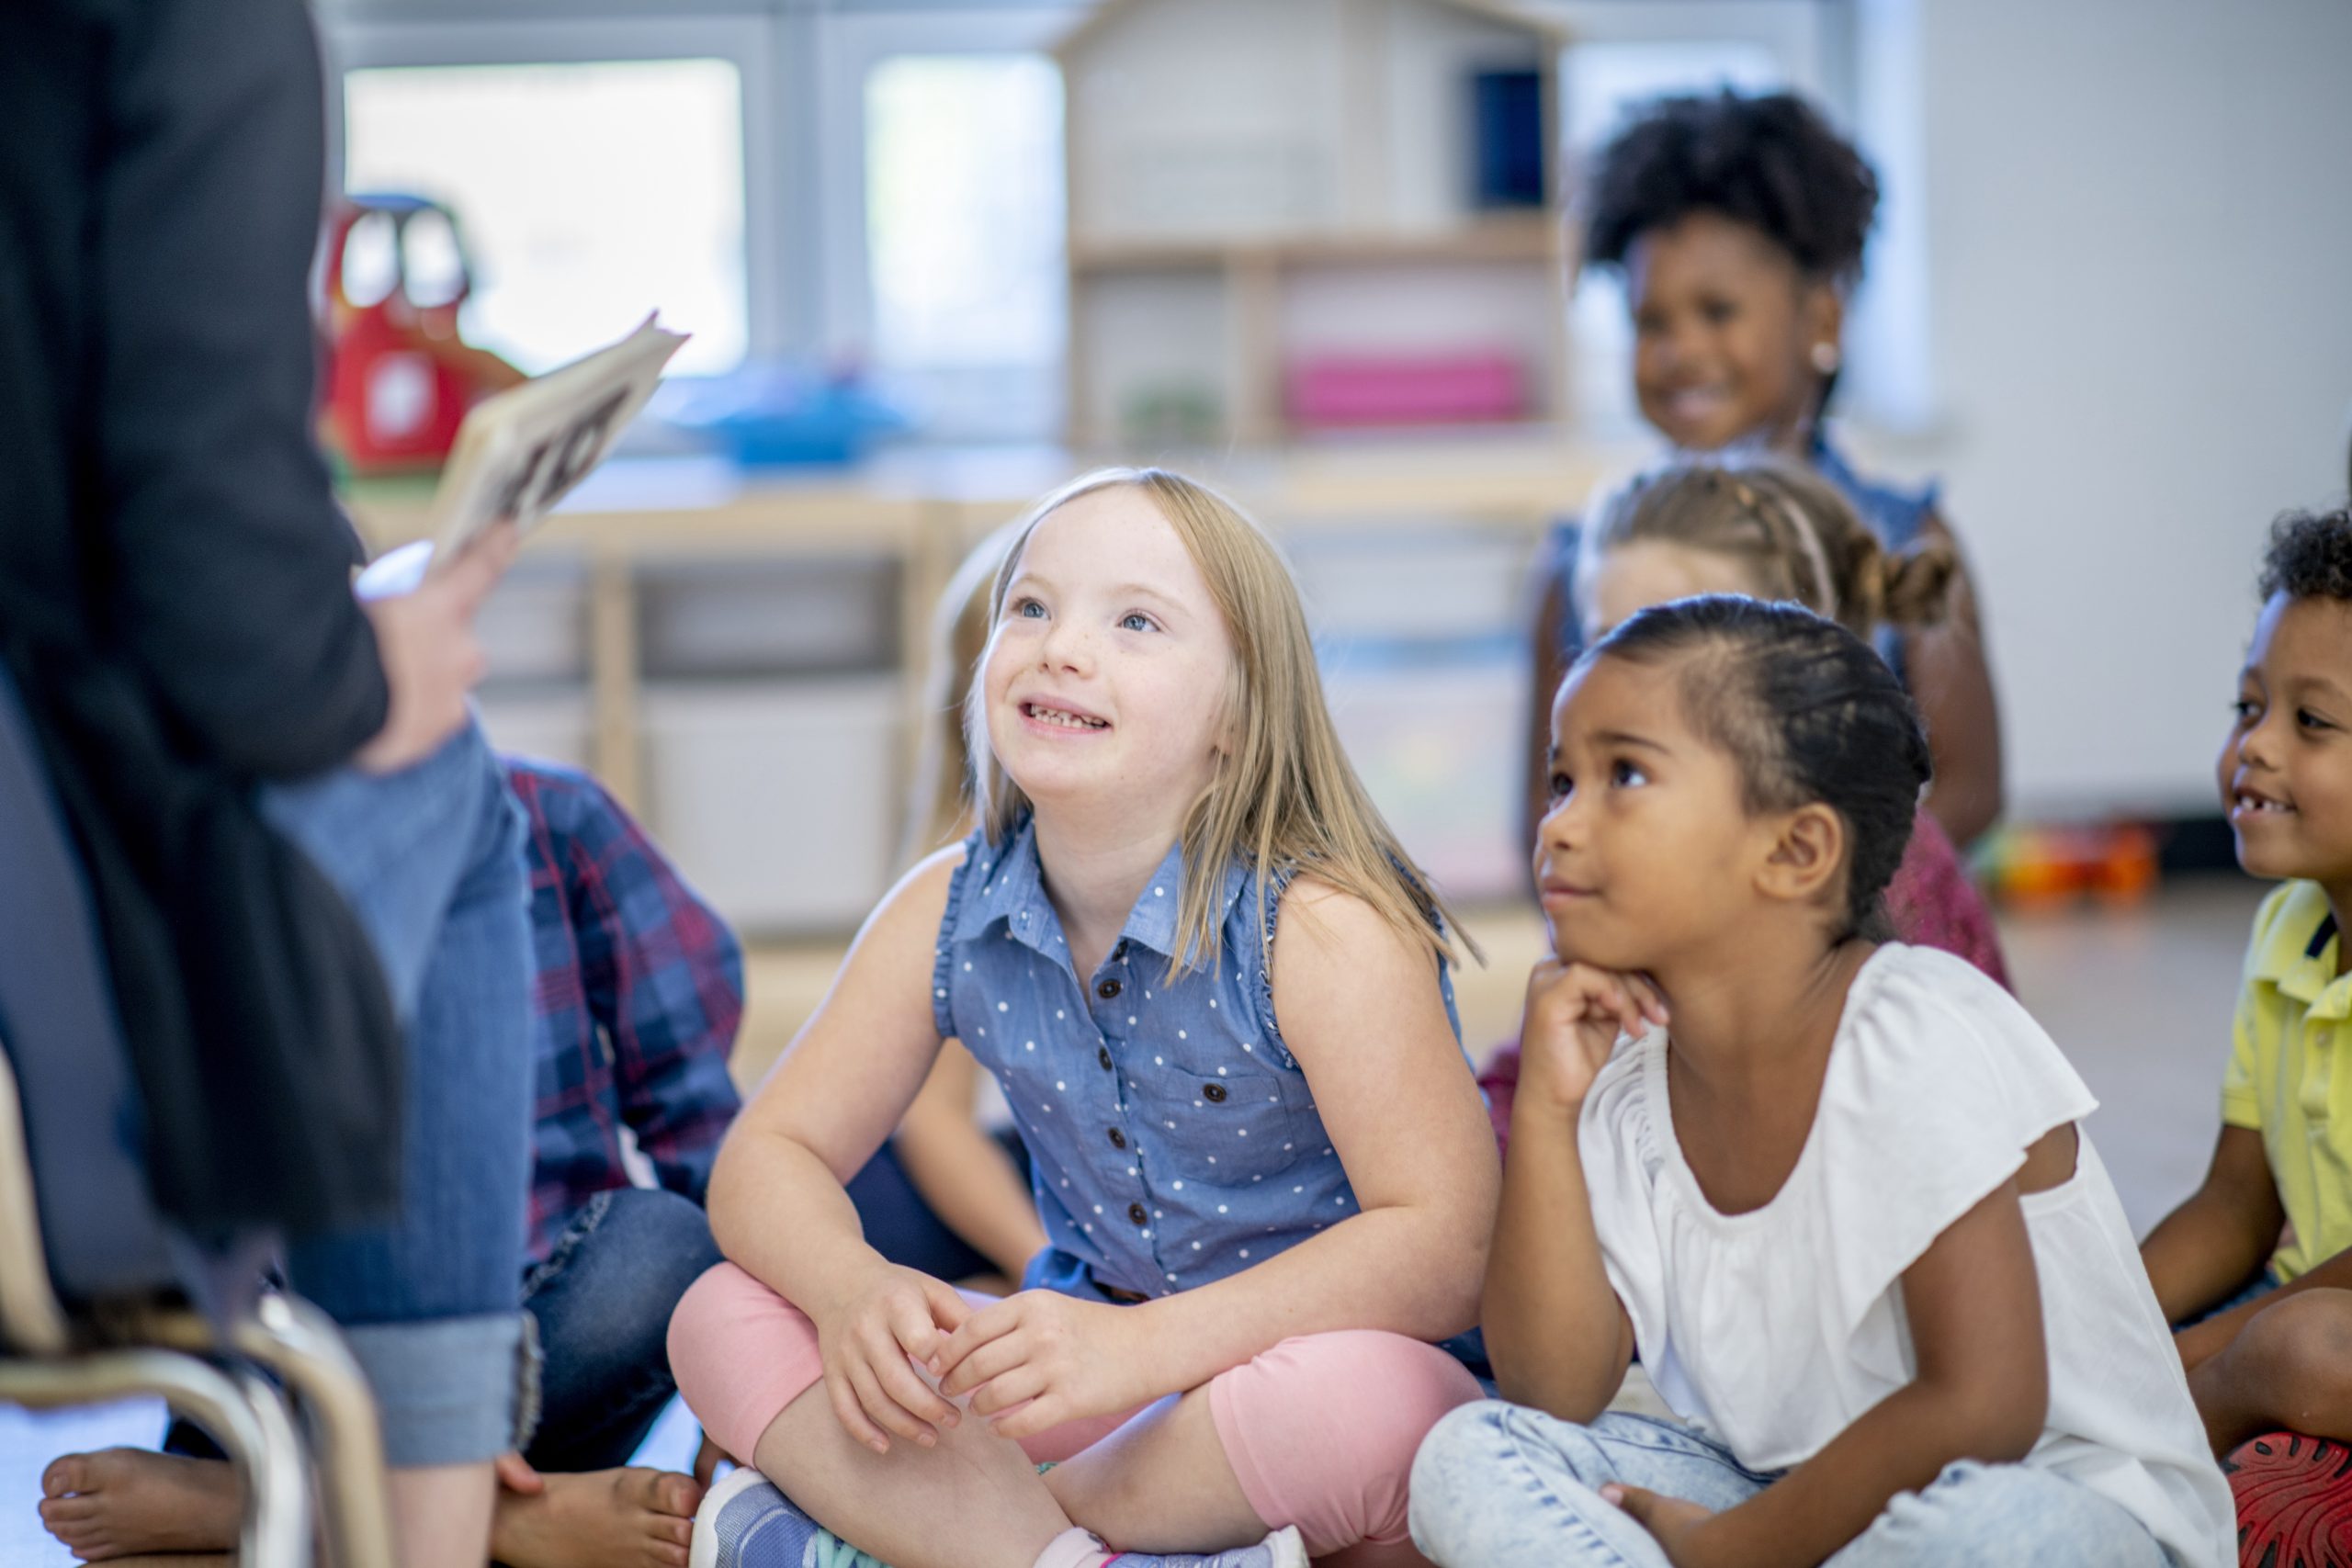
2271, 1343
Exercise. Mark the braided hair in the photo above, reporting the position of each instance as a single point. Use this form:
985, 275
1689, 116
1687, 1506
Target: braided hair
1793, 534
1807, 713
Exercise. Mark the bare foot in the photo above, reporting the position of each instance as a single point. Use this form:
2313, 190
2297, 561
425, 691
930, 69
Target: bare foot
120, 1503
608, 1519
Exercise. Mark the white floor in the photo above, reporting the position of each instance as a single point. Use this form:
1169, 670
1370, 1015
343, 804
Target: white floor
2140, 999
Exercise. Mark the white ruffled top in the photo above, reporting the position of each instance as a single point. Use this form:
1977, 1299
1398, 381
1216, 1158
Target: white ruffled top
1776, 1328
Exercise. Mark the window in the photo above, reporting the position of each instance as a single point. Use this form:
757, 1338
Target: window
588, 193
966, 269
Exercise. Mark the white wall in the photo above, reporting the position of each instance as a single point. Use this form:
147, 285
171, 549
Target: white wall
2139, 220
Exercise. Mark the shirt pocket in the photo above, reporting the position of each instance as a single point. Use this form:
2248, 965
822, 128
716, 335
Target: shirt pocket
1228, 1122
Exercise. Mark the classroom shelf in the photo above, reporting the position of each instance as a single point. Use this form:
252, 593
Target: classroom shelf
1231, 163
1529, 237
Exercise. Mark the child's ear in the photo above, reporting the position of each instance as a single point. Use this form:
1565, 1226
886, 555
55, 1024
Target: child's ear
1807, 852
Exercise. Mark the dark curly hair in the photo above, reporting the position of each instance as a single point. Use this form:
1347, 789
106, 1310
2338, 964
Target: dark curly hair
2310, 556
1808, 712
1769, 162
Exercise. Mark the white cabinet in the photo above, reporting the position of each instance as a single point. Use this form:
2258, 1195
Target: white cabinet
778, 800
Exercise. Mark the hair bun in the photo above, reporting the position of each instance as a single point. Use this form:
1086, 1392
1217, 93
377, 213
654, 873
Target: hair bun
1915, 586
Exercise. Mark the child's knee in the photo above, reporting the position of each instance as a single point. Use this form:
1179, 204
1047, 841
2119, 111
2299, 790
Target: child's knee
741, 1353
1322, 1431
1374, 1390
1455, 1471
646, 1253
1974, 1514
673, 1236
2302, 1347
1481, 1457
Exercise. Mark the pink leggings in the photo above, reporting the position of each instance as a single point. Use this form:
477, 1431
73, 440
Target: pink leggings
1321, 1430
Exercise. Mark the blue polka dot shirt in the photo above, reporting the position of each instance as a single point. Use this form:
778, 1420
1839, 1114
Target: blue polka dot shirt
1173, 1139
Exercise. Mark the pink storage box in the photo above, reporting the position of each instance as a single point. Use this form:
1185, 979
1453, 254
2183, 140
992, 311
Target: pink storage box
1435, 389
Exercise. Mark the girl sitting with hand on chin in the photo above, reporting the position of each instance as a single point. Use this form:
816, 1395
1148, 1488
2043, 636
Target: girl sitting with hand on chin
1832, 1188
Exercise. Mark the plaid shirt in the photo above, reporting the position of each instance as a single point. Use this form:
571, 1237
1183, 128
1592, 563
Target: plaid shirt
639, 991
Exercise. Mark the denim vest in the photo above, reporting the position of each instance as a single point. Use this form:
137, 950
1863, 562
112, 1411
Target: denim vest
1173, 1139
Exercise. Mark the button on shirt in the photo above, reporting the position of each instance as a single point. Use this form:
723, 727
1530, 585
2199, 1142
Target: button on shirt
1174, 1138
2294, 1023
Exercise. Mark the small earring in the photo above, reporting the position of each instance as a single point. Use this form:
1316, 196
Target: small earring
1825, 358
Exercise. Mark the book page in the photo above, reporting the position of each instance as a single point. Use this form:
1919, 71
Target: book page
523, 450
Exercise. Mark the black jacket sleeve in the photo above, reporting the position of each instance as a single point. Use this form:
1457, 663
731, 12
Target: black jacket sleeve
230, 557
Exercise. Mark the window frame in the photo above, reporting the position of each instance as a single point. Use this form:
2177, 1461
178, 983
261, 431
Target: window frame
747, 42
850, 45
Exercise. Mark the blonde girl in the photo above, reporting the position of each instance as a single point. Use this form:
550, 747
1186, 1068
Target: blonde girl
1186, 945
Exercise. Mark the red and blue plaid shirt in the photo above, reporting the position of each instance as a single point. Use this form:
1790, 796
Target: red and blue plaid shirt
638, 992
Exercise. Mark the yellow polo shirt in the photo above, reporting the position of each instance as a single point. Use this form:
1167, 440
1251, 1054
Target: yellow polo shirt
2294, 1025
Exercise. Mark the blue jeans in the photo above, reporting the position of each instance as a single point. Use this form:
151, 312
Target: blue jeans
603, 1300
430, 859
2253, 1290
1499, 1485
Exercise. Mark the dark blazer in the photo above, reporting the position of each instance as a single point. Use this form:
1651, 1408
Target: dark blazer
161, 175
175, 598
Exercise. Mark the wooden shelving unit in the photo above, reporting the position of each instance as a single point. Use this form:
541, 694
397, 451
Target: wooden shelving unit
1255, 186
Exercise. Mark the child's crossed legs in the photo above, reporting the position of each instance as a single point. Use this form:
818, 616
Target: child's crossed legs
1318, 1431
1499, 1485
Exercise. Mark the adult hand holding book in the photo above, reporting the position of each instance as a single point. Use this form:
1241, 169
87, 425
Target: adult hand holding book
523, 450
517, 453
431, 656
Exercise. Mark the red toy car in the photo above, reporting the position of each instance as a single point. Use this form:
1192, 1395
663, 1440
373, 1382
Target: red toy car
400, 378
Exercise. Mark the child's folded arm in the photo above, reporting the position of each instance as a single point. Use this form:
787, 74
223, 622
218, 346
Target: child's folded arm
1981, 1392
2217, 1238
1557, 1333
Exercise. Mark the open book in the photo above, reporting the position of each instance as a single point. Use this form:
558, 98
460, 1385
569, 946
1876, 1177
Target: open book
521, 451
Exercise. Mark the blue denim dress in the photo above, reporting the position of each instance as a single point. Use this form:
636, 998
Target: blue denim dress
1173, 1139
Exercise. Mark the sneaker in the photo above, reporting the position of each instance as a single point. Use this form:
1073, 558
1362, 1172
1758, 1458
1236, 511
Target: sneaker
744, 1522
1284, 1548
2294, 1498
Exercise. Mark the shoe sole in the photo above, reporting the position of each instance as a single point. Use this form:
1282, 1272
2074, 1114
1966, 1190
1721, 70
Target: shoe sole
2294, 1500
